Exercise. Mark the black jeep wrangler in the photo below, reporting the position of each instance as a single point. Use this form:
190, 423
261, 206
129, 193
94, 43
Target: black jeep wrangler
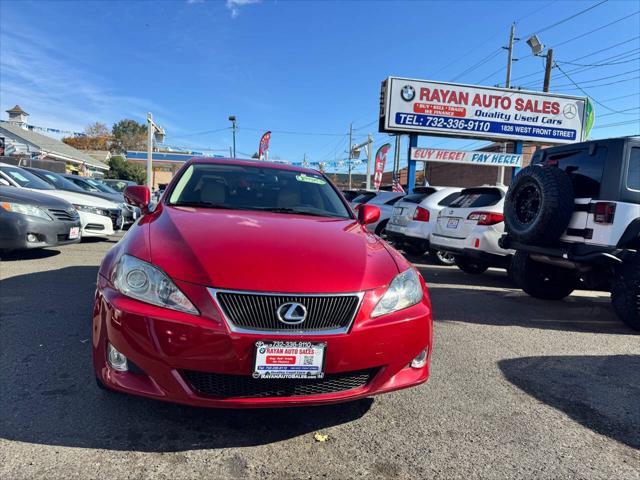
573, 216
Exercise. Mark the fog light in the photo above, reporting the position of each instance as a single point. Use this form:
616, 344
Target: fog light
117, 360
420, 360
31, 238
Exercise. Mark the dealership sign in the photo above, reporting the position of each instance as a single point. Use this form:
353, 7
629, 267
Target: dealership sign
447, 109
488, 159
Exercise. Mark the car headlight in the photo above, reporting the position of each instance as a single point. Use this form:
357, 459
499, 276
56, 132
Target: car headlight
404, 291
90, 209
24, 209
141, 280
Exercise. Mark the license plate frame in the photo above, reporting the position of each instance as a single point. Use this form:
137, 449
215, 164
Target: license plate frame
289, 360
453, 222
74, 232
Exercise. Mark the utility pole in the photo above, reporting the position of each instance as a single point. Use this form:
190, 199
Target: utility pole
507, 84
232, 119
369, 156
369, 146
349, 154
547, 70
149, 151
396, 158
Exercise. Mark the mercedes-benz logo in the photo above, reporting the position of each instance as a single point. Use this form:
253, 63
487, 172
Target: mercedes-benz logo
570, 111
291, 313
407, 93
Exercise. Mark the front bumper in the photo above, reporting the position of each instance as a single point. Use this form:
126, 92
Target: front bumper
163, 344
94, 225
15, 228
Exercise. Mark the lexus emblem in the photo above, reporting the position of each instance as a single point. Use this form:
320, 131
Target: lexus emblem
407, 93
291, 313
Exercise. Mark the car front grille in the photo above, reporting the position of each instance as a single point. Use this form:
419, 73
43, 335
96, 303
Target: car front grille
253, 311
244, 386
67, 215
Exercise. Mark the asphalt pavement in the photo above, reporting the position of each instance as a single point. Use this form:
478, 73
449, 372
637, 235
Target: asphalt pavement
520, 388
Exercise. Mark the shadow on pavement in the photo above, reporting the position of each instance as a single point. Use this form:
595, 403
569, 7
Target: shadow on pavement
35, 254
492, 299
599, 392
49, 394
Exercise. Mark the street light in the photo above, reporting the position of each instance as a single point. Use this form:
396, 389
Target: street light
535, 45
232, 119
157, 132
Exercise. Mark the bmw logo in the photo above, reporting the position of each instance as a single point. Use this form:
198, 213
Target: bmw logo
407, 93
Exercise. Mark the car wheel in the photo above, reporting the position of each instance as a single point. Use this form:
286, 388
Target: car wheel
443, 258
625, 293
470, 266
539, 205
380, 228
542, 280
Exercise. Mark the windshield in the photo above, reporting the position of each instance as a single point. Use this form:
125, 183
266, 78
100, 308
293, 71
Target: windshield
477, 197
364, 197
58, 181
243, 187
99, 185
25, 179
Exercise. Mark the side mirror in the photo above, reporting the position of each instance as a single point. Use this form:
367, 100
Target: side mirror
138, 196
368, 214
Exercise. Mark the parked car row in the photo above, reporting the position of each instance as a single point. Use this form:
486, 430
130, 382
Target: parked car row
41, 209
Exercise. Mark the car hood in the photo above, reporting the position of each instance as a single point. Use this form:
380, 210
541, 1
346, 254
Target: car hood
78, 198
29, 197
270, 252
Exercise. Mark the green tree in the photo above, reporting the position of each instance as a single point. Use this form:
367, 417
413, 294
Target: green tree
121, 169
129, 135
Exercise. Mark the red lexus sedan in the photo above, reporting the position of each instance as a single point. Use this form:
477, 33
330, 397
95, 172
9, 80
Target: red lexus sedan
252, 284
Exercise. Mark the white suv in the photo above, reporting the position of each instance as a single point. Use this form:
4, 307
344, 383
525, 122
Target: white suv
574, 216
414, 218
470, 228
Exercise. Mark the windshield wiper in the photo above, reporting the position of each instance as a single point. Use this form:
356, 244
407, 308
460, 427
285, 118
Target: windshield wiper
295, 211
200, 204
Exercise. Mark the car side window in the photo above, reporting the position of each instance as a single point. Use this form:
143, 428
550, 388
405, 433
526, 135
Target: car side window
633, 173
585, 169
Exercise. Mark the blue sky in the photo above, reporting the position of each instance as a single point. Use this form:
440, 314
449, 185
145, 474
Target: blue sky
303, 69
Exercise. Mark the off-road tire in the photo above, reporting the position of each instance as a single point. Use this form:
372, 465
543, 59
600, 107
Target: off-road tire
625, 293
470, 266
438, 259
542, 280
539, 205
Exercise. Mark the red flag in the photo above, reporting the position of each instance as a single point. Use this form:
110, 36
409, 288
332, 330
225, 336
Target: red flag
264, 144
381, 159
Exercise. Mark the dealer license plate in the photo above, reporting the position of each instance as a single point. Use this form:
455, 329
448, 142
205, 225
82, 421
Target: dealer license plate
289, 360
453, 223
74, 232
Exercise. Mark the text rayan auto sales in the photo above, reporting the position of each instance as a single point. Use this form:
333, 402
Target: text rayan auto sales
496, 102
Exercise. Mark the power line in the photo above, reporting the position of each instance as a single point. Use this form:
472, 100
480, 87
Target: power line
566, 86
618, 124
596, 29
586, 93
621, 111
560, 22
598, 64
287, 132
204, 132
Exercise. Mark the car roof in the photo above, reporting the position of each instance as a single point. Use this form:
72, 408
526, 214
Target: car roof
252, 163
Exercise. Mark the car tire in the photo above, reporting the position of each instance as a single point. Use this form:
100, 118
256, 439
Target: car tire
470, 266
381, 227
539, 205
541, 280
442, 258
625, 293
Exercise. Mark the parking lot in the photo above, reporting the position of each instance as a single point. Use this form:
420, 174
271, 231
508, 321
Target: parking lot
520, 388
